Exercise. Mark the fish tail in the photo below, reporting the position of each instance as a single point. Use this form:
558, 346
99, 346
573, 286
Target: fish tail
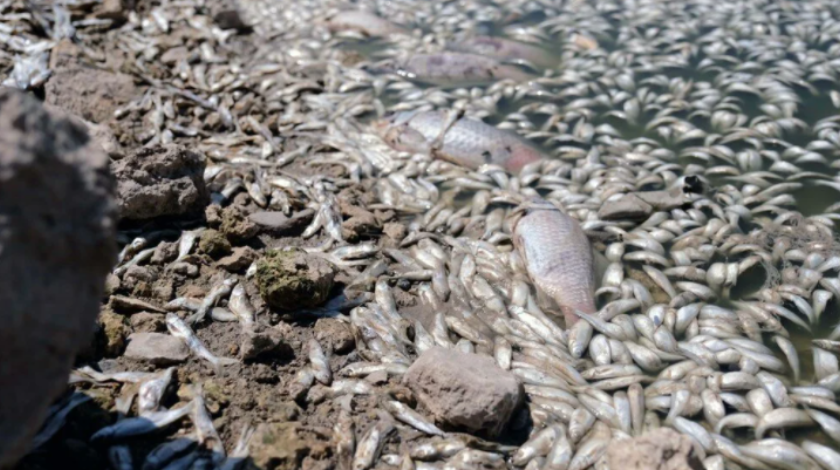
569, 316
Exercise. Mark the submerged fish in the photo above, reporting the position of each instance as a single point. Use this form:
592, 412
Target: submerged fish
467, 142
453, 67
558, 258
505, 49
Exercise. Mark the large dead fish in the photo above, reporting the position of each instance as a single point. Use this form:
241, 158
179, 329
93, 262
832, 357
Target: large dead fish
364, 22
558, 258
451, 68
463, 141
505, 49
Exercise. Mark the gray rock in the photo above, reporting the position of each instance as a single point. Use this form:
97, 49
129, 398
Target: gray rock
165, 180
628, 206
156, 348
465, 391
56, 248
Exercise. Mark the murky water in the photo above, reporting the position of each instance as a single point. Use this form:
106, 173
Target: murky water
814, 106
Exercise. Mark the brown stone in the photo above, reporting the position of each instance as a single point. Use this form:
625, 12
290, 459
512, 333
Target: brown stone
165, 180
283, 446
465, 391
660, 449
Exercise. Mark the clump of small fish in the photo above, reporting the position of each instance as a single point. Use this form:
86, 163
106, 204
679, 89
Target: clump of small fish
620, 202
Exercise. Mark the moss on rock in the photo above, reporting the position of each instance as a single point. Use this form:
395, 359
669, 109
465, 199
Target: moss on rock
293, 280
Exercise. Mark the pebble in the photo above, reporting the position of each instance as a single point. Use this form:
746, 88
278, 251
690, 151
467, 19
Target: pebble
156, 348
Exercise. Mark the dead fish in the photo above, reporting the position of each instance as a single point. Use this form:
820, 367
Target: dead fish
466, 142
320, 363
151, 392
180, 329
558, 258
446, 68
364, 22
204, 429
505, 49
371, 444
412, 418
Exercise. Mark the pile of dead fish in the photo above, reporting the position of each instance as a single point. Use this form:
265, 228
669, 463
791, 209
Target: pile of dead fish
628, 206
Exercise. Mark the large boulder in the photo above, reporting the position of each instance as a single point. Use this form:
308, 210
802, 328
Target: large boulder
465, 391
165, 180
56, 247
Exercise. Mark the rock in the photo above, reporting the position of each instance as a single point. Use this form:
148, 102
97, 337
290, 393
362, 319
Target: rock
265, 344
56, 249
467, 391
283, 446
136, 274
627, 206
239, 260
164, 253
90, 93
236, 224
163, 289
147, 322
100, 134
361, 225
114, 331
293, 280
395, 231
213, 215
660, 449
165, 180
335, 334
112, 284
213, 243
156, 348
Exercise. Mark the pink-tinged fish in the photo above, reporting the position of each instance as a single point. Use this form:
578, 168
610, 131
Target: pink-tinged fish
453, 68
466, 142
506, 49
364, 22
558, 258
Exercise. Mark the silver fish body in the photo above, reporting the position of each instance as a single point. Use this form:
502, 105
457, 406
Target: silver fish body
559, 259
468, 142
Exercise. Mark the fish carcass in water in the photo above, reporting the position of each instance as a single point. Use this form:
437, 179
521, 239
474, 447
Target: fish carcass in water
450, 68
505, 49
558, 258
364, 22
466, 142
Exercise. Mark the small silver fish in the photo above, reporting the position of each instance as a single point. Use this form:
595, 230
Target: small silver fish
180, 329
